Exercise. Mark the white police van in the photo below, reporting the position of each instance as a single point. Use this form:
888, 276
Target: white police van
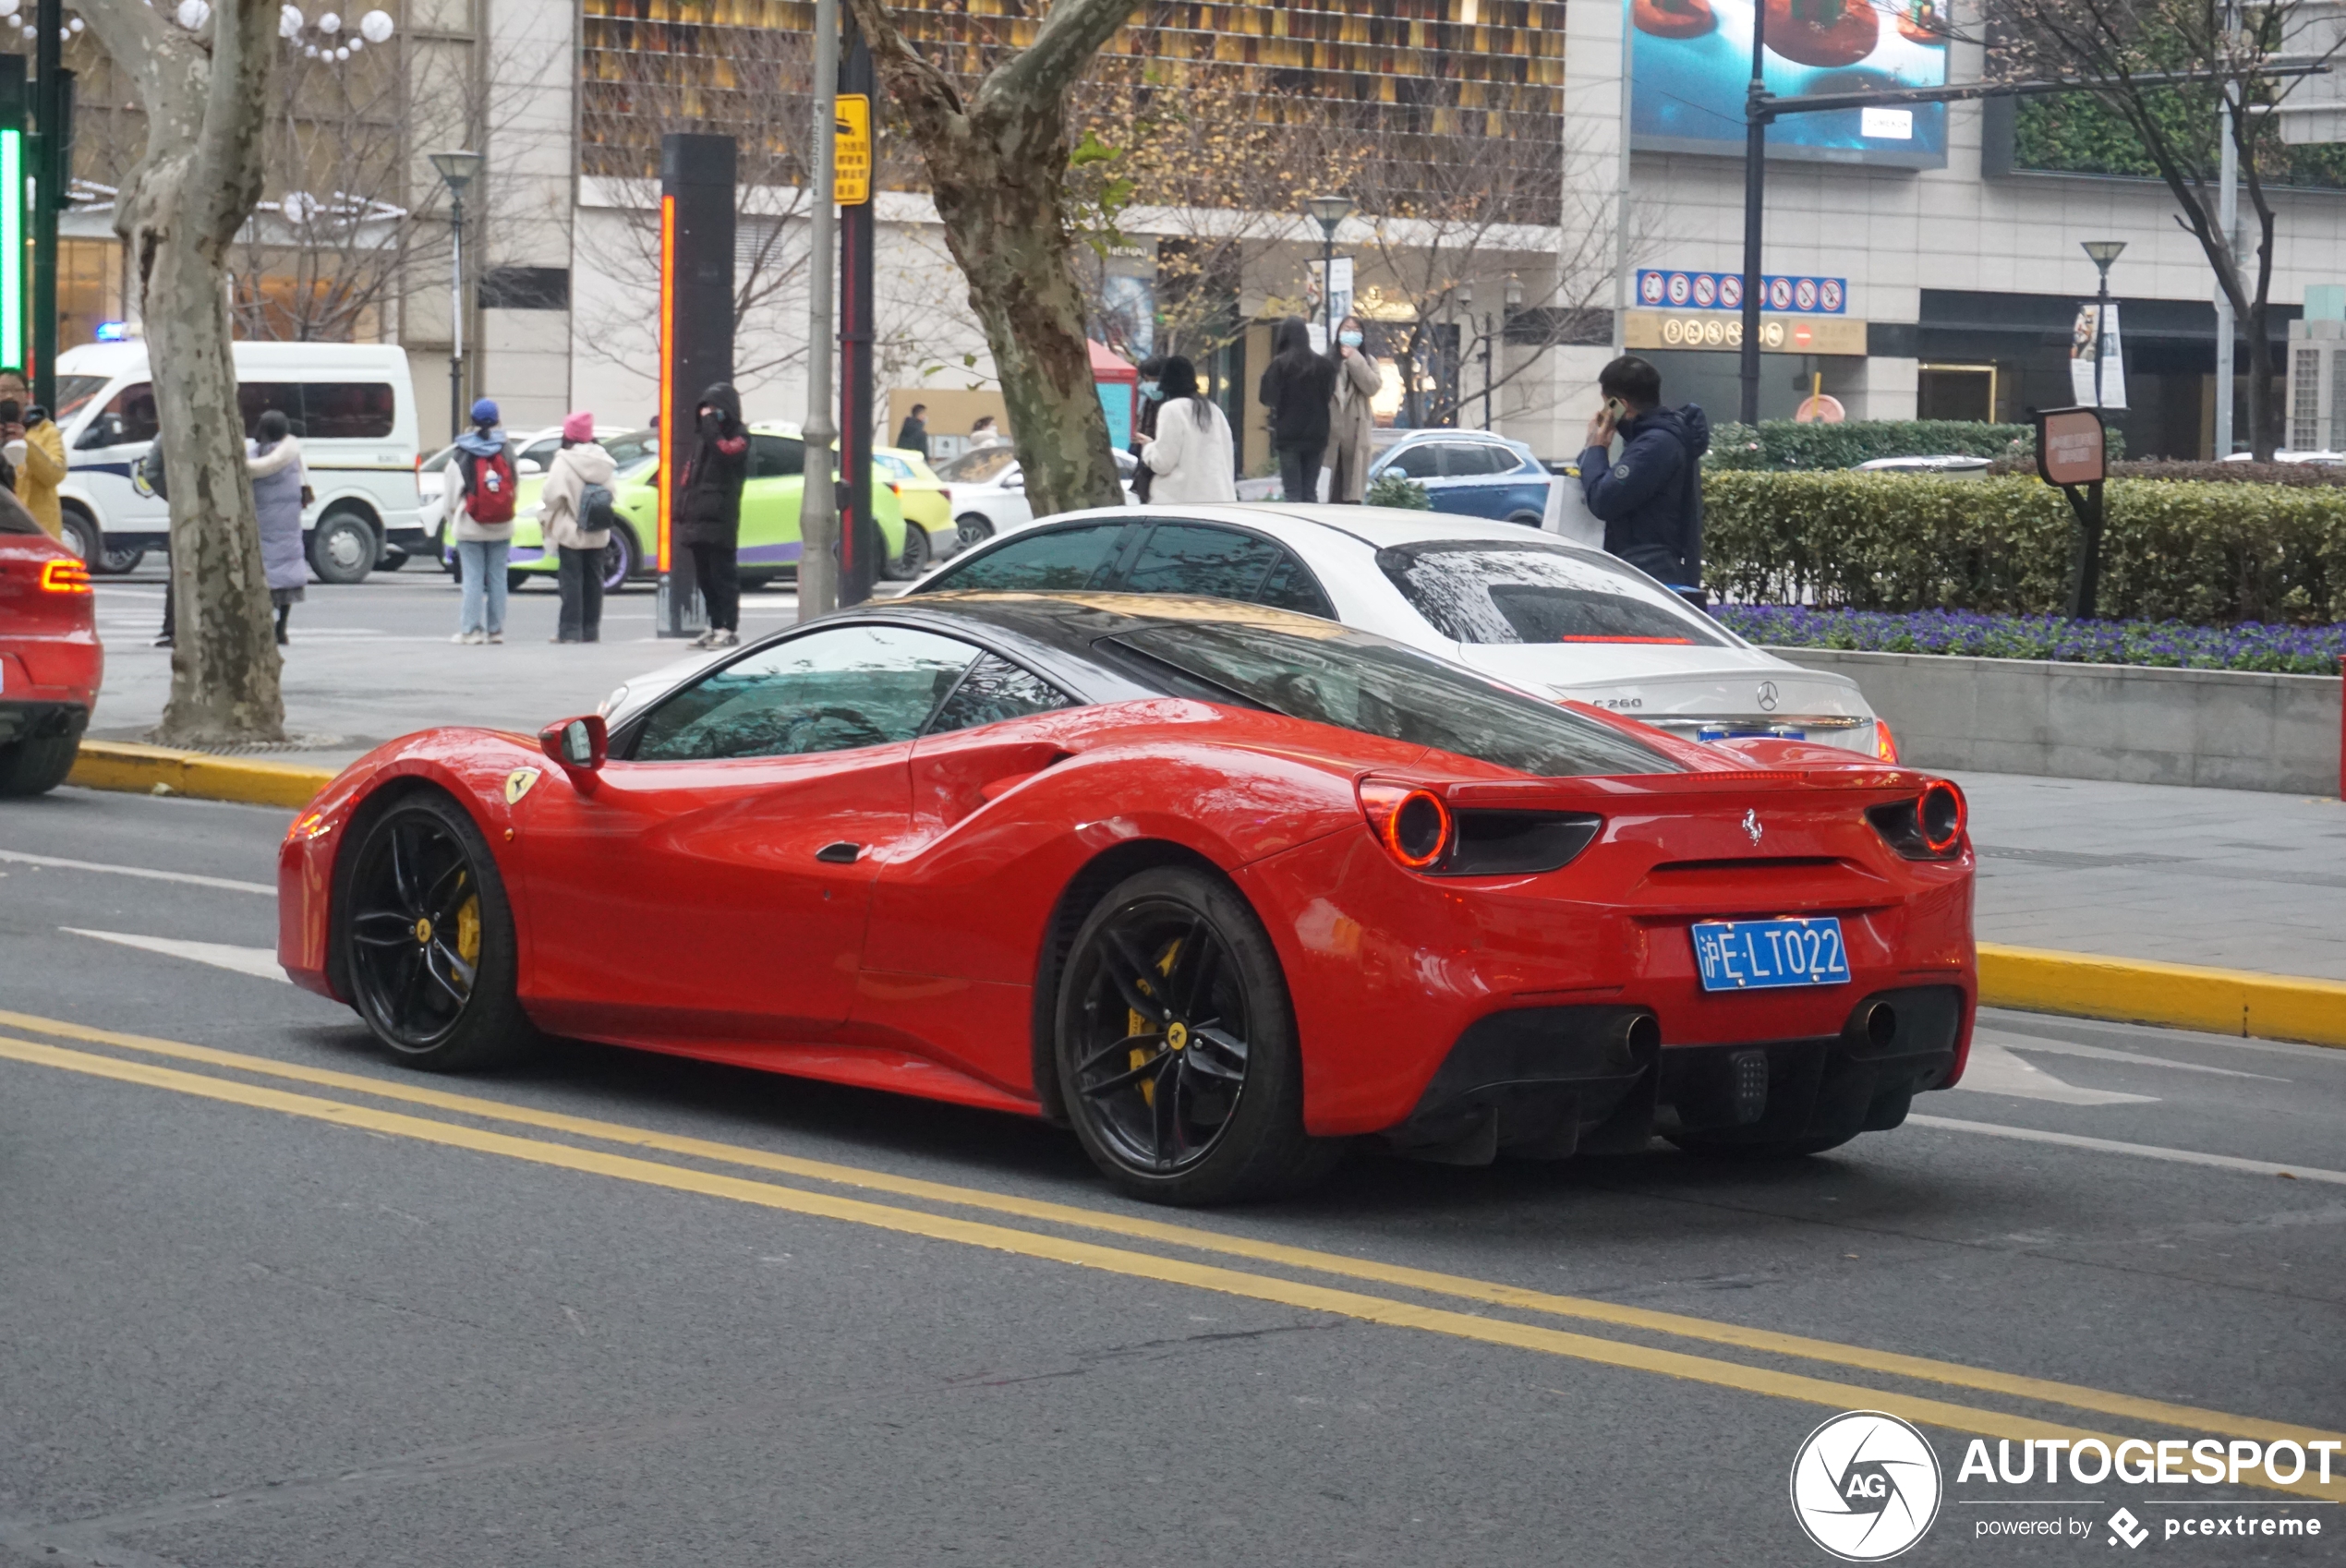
353, 405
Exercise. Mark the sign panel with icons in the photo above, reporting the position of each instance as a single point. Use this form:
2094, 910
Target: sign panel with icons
1724, 291
1789, 333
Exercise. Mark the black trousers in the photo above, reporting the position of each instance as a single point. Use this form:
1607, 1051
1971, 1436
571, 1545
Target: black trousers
580, 577
721, 584
1300, 472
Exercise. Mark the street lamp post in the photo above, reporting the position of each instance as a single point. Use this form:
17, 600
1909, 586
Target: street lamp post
457, 170
2103, 251
1328, 211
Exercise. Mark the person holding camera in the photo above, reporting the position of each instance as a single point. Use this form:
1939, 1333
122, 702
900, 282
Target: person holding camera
42, 467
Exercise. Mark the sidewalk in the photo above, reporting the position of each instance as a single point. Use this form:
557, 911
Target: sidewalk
2222, 878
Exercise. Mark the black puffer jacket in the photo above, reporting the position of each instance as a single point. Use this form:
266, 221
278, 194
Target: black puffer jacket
709, 500
1650, 502
1296, 388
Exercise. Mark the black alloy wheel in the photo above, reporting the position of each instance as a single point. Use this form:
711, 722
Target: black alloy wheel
428, 939
973, 529
914, 558
1176, 1045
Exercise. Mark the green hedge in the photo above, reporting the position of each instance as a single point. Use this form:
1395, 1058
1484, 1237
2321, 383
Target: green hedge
2208, 554
1781, 443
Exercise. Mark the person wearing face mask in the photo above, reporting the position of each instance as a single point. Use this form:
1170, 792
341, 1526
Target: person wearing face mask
1152, 393
710, 510
1191, 452
1351, 421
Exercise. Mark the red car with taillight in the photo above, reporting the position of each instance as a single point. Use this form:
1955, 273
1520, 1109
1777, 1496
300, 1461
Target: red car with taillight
49, 660
1221, 887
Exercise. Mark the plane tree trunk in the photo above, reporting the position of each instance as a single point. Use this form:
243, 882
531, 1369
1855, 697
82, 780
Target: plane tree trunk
206, 100
997, 169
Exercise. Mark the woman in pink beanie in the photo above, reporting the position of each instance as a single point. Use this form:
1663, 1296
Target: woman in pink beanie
573, 509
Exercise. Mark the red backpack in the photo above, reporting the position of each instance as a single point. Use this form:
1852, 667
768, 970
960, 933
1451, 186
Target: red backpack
491, 496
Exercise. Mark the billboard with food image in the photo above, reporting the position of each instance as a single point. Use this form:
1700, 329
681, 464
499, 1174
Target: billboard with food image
1692, 63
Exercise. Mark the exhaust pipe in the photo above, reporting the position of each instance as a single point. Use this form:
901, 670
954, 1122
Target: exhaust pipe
1640, 1034
1879, 1024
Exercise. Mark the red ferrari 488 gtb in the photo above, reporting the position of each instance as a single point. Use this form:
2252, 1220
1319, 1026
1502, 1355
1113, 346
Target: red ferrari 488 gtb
1221, 887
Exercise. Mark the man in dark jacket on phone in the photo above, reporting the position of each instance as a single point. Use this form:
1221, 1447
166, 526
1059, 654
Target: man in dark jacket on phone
1651, 500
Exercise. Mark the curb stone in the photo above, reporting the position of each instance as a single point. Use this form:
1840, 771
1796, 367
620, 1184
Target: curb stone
2219, 1001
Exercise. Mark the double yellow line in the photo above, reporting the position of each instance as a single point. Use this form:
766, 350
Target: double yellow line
1511, 1331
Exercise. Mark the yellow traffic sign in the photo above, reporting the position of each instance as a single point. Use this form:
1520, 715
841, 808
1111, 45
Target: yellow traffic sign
852, 151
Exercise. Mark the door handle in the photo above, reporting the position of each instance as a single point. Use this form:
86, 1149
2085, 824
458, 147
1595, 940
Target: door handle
841, 853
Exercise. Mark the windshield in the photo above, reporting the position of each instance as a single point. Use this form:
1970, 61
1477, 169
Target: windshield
74, 393
1378, 688
977, 467
634, 451
1478, 591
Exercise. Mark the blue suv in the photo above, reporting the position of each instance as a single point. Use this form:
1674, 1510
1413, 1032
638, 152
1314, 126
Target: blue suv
1472, 473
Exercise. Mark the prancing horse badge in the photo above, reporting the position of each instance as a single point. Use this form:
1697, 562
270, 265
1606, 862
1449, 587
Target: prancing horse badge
518, 783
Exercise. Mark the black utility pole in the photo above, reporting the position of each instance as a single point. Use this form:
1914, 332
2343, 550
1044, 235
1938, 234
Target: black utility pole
50, 96
696, 178
1756, 116
860, 544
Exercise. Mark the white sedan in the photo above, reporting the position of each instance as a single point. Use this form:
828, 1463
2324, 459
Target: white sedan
1515, 603
987, 491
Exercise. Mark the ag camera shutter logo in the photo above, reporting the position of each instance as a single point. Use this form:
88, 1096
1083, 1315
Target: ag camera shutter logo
1865, 1486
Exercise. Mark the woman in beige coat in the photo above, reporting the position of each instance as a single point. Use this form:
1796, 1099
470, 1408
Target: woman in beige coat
1351, 422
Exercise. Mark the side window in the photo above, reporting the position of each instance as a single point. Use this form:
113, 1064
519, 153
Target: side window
129, 415
1060, 559
540, 452
994, 689
1470, 458
831, 691
775, 457
1291, 586
256, 398
1421, 461
1196, 557
346, 410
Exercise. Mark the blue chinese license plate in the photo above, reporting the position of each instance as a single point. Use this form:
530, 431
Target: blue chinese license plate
1759, 955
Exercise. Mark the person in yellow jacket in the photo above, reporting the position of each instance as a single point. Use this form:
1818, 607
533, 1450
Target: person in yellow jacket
43, 465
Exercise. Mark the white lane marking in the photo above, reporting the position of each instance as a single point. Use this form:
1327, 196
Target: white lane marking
2141, 1150
1995, 1070
187, 877
259, 962
2104, 1053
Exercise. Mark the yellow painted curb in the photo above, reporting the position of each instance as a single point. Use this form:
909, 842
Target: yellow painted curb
2221, 1001
146, 770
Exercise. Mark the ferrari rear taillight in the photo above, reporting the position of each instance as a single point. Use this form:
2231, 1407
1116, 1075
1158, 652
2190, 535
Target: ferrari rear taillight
1928, 828
64, 577
1885, 744
1413, 825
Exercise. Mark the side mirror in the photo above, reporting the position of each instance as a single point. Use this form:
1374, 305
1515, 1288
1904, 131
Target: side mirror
581, 745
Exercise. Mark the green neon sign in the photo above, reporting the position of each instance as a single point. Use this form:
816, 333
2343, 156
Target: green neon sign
11, 246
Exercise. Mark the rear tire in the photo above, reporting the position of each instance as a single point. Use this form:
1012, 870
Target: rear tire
424, 935
1196, 1095
343, 548
620, 558
35, 767
915, 559
973, 529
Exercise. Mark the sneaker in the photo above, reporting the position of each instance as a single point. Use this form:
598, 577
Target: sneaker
163, 641
706, 639
723, 640
496, 636
468, 637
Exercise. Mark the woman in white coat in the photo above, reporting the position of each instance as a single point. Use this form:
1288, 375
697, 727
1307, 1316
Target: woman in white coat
1192, 454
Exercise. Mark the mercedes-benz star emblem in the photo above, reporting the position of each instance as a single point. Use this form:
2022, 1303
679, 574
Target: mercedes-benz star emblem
1767, 697
1751, 825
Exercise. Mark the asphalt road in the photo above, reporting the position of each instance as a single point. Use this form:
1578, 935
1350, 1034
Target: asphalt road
271, 1300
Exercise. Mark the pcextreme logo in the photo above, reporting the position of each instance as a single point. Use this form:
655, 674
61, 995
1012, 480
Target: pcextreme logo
1865, 1486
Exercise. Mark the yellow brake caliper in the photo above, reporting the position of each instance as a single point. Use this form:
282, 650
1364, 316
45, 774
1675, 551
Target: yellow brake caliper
1135, 1024
468, 932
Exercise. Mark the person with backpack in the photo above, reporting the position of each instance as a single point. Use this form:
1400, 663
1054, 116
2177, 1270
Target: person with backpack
574, 509
482, 509
709, 509
1649, 499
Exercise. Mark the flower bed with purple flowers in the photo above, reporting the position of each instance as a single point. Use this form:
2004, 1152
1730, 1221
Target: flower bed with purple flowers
2283, 650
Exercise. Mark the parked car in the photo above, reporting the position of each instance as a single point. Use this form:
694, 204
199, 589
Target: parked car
769, 544
928, 509
352, 405
51, 663
1475, 474
1554, 617
988, 492
1218, 887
